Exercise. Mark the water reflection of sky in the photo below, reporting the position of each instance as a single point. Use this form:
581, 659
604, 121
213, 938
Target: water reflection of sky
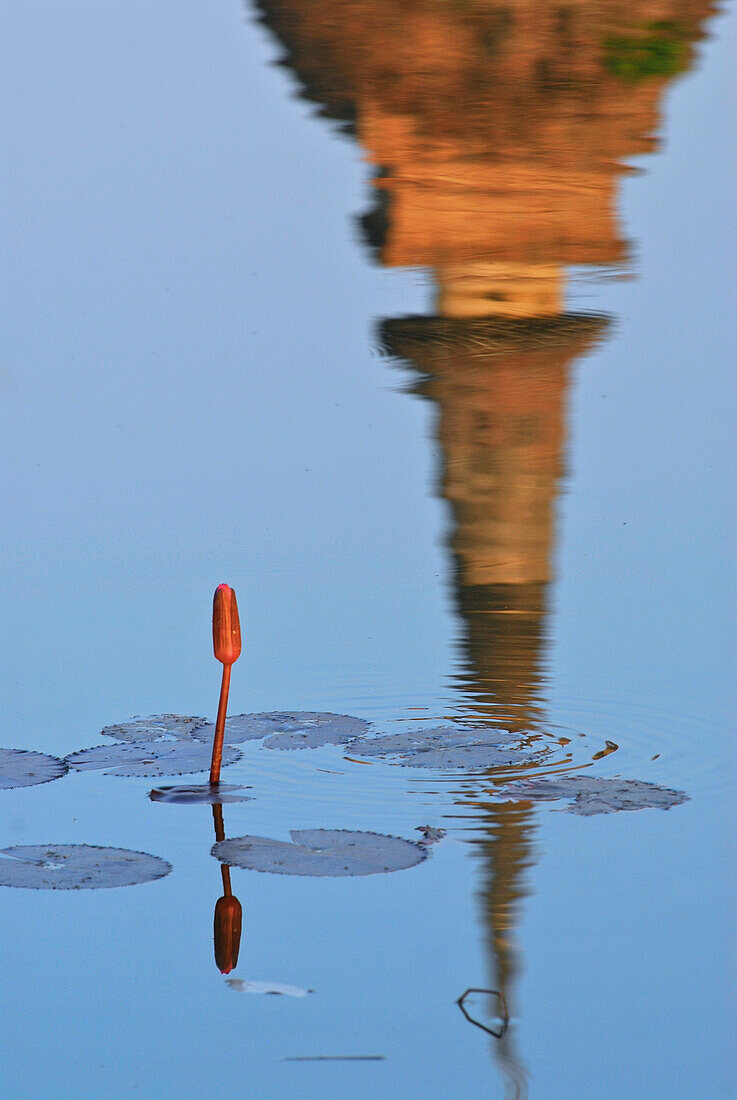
192, 396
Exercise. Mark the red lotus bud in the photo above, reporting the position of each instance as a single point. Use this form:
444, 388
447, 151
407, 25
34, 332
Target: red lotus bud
226, 626
227, 930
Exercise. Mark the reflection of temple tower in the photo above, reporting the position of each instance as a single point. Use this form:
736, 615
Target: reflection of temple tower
498, 133
500, 387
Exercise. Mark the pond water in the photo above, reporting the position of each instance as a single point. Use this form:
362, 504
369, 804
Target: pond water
414, 324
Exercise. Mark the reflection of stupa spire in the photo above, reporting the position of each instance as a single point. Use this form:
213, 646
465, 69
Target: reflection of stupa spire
505, 847
498, 134
500, 388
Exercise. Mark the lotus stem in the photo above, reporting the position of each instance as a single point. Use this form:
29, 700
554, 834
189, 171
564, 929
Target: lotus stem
217, 744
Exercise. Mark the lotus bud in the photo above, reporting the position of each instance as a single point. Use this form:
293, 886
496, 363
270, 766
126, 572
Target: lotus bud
226, 627
227, 933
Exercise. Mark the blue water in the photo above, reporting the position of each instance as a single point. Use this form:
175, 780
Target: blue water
193, 392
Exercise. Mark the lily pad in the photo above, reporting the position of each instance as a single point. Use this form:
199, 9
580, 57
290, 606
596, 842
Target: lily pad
593, 795
297, 729
22, 768
77, 867
322, 852
278, 988
311, 730
148, 758
156, 727
194, 794
430, 834
442, 747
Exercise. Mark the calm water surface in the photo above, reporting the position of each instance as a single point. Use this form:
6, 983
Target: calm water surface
422, 339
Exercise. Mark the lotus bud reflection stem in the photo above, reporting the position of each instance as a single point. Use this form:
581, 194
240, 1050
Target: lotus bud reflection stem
226, 642
228, 912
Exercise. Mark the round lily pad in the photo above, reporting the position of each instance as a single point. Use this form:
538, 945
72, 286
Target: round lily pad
442, 747
77, 867
148, 758
321, 852
189, 795
156, 727
297, 729
22, 768
592, 795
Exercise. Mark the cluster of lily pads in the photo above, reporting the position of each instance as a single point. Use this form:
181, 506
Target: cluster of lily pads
171, 744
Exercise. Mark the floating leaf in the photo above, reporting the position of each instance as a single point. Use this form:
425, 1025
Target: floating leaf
22, 768
238, 728
278, 988
185, 795
156, 727
593, 795
334, 852
449, 747
77, 867
430, 834
300, 729
311, 730
148, 758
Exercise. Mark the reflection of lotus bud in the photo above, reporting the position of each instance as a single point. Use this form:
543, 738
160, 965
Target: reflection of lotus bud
228, 916
226, 627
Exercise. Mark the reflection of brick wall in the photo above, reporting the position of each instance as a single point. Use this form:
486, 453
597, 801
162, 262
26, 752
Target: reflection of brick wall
499, 128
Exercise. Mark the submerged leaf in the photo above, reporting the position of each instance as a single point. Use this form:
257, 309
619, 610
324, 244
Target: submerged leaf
329, 852
156, 727
242, 986
297, 729
187, 795
441, 747
148, 758
23, 768
593, 795
77, 867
